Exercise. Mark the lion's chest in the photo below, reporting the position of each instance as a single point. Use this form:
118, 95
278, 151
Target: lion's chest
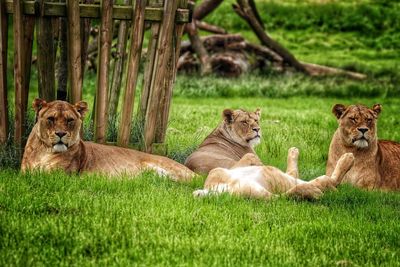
51, 161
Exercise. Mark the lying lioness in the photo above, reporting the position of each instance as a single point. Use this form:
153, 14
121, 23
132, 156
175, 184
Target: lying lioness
377, 162
55, 143
265, 181
234, 137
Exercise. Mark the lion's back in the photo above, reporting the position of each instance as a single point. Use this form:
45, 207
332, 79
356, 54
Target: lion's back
210, 157
389, 163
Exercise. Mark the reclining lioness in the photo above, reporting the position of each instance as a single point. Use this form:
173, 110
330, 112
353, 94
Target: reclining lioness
55, 143
234, 137
377, 162
263, 182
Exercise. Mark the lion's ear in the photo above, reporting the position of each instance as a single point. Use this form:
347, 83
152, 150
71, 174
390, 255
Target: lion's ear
228, 115
377, 108
38, 104
81, 107
258, 112
338, 110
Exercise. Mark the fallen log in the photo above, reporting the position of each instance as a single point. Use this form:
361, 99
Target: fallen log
229, 64
209, 27
319, 70
248, 13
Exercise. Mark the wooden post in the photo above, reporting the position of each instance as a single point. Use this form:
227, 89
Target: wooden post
159, 71
19, 71
3, 74
148, 71
101, 118
165, 101
45, 55
74, 51
119, 65
133, 69
29, 28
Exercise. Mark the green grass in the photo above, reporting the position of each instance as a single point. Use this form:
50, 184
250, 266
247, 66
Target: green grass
55, 219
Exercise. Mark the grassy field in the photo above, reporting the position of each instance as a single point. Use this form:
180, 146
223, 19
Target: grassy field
55, 219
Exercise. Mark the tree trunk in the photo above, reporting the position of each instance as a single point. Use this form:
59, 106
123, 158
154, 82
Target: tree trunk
244, 10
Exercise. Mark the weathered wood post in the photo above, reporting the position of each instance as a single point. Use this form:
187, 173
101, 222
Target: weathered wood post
149, 65
159, 71
119, 66
133, 69
23, 38
101, 118
74, 51
45, 55
3, 74
165, 100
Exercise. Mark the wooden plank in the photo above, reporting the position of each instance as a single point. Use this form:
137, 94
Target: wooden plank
101, 118
148, 71
137, 34
165, 100
119, 67
19, 73
149, 64
159, 71
74, 51
29, 28
3, 74
45, 55
93, 11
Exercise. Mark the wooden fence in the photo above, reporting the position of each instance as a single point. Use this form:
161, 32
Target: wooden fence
165, 20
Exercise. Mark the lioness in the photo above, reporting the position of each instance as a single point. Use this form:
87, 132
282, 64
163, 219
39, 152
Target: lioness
377, 162
265, 181
234, 137
55, 143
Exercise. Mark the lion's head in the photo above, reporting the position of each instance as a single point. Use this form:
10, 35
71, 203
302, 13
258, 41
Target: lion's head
243, 127
357, 124
59, 123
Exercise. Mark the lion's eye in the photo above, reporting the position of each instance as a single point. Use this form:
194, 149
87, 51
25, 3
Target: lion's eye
244, 122
369, 120
70, 121
353, 120
50, 119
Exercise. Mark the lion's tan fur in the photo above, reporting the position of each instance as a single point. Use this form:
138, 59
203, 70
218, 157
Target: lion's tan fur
249, 178
41, 151
234, 137
377, 162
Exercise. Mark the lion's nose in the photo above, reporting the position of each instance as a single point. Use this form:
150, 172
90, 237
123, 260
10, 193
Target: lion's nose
363, 130
61, 134
256, 129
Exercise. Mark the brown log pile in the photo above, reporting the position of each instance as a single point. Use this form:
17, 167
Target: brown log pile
231, 55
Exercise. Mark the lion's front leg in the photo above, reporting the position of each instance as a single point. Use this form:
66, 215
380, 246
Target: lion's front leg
315, 188
292, 160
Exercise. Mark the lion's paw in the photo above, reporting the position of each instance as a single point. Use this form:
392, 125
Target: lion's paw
293, 153
305, 191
